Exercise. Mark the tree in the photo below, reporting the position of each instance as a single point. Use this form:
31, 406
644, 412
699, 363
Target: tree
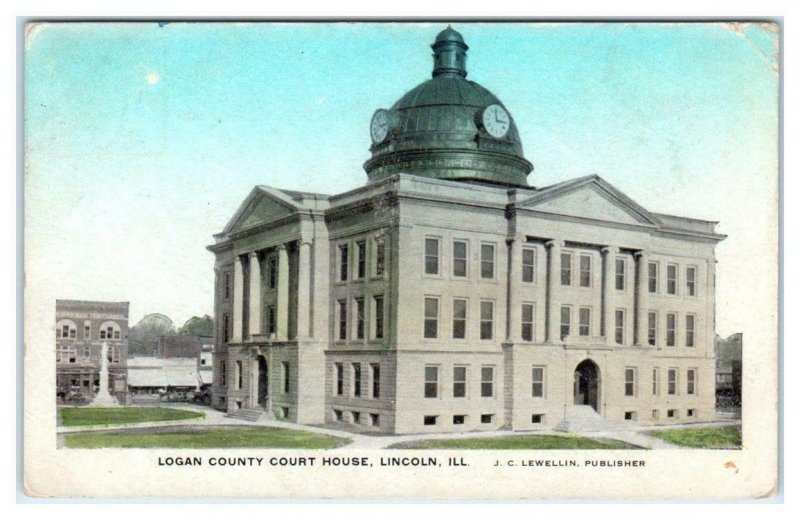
197, 326
143, 337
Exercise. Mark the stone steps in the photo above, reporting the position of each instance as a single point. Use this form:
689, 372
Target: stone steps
250, 414
583, 418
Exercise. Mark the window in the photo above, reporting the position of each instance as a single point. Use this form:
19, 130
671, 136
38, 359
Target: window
66, 331
537, 382
672, 413
342, 319
87, 332
652, 277
459, 419
380, 257
338, 415
619, 274
226, 286
378, 302
459, 258
487, 319
689, 330
630, 416
459, 319
431, 382
691, 412
272, 272
343, 265
584, 320
566, 268
356, 416
431, 256
672, 381
619, 326
270, 319
691, 274
459, 381
487, 418
431, 329
586, 271
223, 380
655, 381
225, 328
339, 379
487, 261
537, 418
285, 374
239, 374
429, 420
630, 382
361, 251
671, 317
87, 351
359, 318
652, 326
690, 381
375, 419
376, 380
527, 322
565, 319
654, 415
672, 279
487, 381
356, 379
528, 265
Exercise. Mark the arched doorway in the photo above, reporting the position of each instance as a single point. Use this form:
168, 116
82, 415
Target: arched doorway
587, 384
263, 382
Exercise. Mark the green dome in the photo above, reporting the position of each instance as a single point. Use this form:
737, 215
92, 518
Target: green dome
435, 129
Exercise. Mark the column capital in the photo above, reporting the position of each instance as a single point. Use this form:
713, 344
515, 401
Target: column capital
281, 247
303, 242
606, 250
253, 254
640, 253
554, 243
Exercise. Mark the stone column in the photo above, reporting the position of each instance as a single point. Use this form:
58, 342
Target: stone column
254, 327
609, 261
304, 303
641, 299
238, 303
553, 290
514, 310
282, 307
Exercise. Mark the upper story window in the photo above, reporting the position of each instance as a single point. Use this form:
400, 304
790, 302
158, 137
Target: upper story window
487, 261
110, 330
356, 379
691, 282
66, 329
630, 382
538, 382
459, 381
690, 330
487, 319
342, 319
239, 374
584, 321
339, 378
619, 326
87, 332
431, 327
459, 318
527, 322
487, 381
586, 271
431, 382
226, 285
272, 272
566, 311
431, 256
343, 262
671, 319
566, 268
672, 279
270, 319
223, 380
619, 274
690, 381
360, 318
672, 381
286, 376
361, 250
459, 258
379, 316
652, 277
652, 327
380, 257
376, 380
528, 265
225, 328
655, 381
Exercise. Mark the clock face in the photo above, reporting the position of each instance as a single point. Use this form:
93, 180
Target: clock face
496, 121
379, 128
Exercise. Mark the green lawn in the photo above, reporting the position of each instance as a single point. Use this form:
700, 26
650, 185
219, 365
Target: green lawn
122, 415
728, 437
239, 437
520, 442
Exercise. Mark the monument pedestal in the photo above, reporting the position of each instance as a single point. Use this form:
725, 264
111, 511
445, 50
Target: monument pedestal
103, 399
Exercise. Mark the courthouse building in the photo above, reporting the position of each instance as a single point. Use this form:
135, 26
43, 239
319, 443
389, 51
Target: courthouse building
449, 294
81, 329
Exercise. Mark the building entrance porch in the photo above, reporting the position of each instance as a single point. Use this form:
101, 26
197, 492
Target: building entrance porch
586, 387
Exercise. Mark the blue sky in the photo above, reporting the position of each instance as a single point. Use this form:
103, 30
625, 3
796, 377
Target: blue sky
141, 141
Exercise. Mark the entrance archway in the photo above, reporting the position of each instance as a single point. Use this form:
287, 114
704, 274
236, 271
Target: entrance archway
263, 382
587, 384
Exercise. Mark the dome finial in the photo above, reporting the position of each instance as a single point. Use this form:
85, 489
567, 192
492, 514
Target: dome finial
449, 54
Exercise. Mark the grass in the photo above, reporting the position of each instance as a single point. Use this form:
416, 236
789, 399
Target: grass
107, 416
520, 442
239, 437
721, 438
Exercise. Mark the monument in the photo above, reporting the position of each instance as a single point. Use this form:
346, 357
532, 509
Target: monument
103, 398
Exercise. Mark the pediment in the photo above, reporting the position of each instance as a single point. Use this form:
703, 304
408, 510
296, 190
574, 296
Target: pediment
261, 206
590, 198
